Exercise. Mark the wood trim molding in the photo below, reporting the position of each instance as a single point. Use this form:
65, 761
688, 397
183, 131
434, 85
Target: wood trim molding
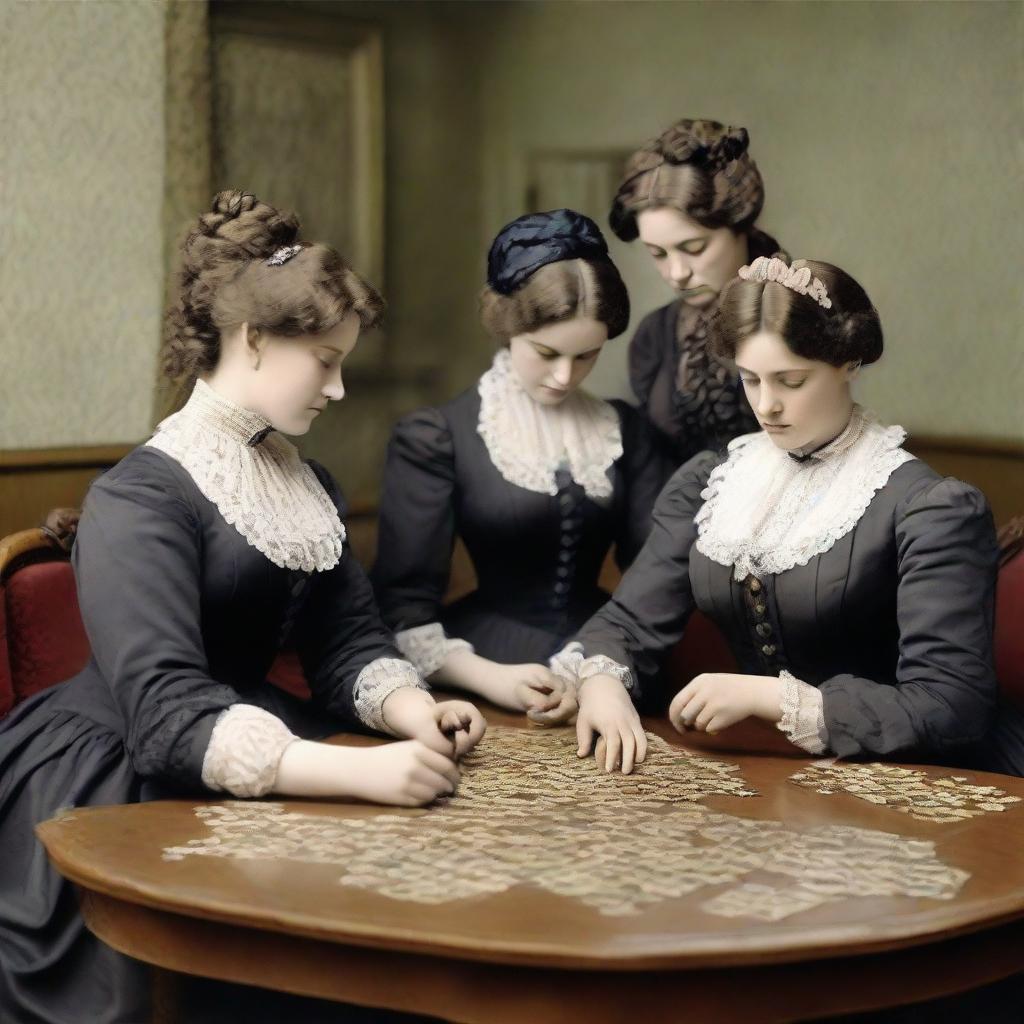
28, 460
996, 448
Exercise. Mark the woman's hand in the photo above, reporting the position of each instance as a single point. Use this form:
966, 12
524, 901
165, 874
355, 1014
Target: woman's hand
529, 688
452, 727
407, 774
607, 713
458, 722
562, 712
713, 701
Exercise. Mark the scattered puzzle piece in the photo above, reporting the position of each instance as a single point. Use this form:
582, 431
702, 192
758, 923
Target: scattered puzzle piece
906, 790
529, 812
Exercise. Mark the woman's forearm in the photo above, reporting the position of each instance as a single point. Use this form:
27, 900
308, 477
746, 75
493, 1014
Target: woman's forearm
314, 769
468, 671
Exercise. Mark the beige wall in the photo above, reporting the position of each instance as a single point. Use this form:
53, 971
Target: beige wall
81, 167
888, 134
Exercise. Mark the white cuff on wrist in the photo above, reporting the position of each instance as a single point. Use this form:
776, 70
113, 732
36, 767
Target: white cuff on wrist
376, 683
570, 665
245, 750
427, 646
803, 714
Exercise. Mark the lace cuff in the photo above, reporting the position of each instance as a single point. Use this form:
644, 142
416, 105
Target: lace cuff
245, 749
376, 683
566, 664
803, 714
570, 665
427, 647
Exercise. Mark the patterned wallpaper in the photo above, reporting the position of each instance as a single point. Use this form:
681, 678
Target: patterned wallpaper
82, 173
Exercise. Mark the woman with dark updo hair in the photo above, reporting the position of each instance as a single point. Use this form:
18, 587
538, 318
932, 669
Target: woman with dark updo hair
692, 196
536, 476
196, 557
853, 584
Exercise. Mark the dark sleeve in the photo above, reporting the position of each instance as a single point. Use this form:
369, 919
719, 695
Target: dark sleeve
137, 562
646, 615
417, 521
945, 689
646, 354
339, 630
644, 472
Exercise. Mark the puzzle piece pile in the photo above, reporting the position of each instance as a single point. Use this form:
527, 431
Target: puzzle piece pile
530, 813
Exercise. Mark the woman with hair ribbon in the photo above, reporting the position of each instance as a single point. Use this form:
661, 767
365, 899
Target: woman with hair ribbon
538, 478
692, 196
853, 583
197, 556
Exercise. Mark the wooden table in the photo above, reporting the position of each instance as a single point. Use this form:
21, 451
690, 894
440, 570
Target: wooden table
528, 954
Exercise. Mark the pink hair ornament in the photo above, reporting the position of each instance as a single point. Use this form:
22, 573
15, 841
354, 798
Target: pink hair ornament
800, 281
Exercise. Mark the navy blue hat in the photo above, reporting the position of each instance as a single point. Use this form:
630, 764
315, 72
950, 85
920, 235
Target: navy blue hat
537, 239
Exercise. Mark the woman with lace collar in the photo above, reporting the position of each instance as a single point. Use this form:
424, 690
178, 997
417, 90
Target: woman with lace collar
536, 476
692, 196
853, 583
197, 556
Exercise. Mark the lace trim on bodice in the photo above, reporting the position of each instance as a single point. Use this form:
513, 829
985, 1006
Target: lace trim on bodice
528, 442
256, 479
765, 512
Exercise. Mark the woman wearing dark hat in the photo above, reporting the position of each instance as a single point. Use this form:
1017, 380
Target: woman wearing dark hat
538, 477
691, 196
853, 583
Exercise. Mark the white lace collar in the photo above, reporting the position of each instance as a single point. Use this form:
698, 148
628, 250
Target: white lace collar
256, 480
528, 441
765, 512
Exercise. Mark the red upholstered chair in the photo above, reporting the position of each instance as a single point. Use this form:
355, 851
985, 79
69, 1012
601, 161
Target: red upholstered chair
1009, 641
42, 640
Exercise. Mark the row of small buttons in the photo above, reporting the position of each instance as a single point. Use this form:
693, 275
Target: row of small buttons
759, 607
570, 498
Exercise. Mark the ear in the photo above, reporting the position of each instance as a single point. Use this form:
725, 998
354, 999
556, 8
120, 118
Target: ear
253, 339
852, 370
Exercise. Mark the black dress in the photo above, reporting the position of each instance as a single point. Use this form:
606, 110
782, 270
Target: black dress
537, 556
184, 618
893, 623
693, 401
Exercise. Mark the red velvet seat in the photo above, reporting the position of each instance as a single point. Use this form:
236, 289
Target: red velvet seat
42, 640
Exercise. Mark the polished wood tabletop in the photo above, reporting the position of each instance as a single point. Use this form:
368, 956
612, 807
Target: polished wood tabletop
741, 886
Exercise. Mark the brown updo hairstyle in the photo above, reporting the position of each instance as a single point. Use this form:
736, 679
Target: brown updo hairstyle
225, 281
701, 168
558, 291
848, 332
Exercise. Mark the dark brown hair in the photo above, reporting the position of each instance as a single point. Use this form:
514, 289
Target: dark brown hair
225, 281
850, 331
558, 291
701, 168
